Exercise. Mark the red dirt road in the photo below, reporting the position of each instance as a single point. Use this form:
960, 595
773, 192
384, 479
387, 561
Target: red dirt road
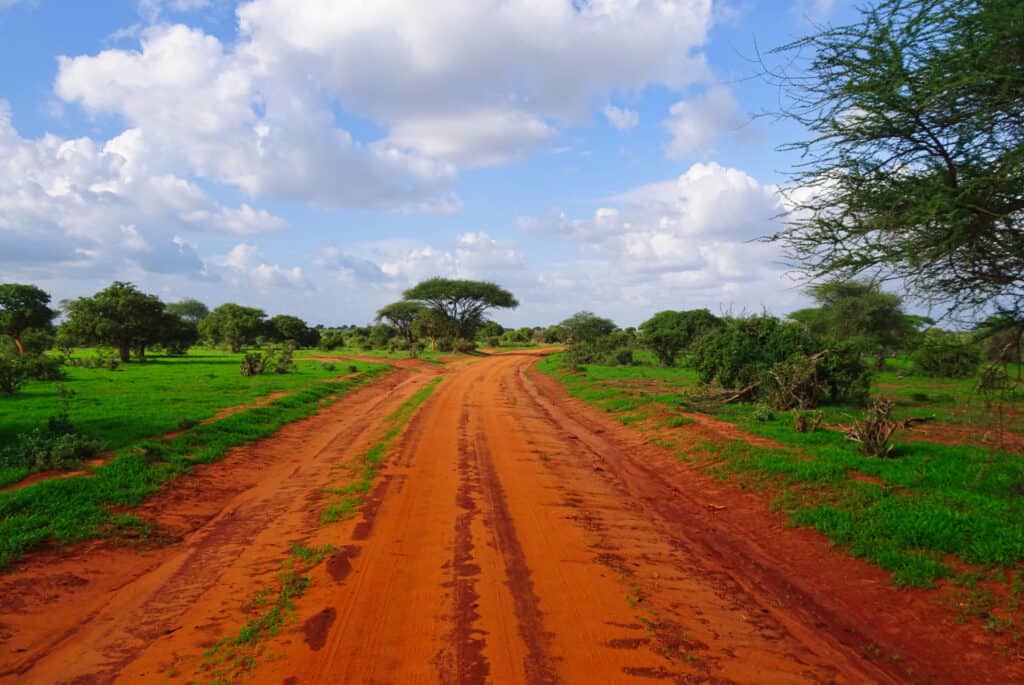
512, 536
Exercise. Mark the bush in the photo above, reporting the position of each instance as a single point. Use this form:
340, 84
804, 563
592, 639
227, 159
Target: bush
44, 368
13, 374
15, 371
102, 359
58, 446
805, 421
463, 345
946, 354
763, 413
328, 366
493, 341
782, 363
282, 361
253, 364
739, 354
445, 344
330, 340
623, 356
271, 360
40, 450
874, 431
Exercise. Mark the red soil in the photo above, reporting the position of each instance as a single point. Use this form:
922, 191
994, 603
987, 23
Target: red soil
514, 536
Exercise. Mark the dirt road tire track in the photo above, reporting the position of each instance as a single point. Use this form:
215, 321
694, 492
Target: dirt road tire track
513, 536
107, 610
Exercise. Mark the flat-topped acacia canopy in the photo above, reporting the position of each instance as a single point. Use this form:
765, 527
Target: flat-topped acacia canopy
462, 301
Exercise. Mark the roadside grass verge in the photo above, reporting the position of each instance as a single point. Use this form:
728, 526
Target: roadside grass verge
345, 501
270, 609
928, 513
70, 510
161, 395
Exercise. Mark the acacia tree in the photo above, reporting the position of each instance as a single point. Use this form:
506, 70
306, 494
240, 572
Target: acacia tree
401, 315
861, 314
432, 324
463, 302
23, 307
284, 327
121, 316
189, 309
233, 324
914, 166
586, 327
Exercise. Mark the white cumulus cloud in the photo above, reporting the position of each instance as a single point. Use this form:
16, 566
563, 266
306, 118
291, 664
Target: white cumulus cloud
695, 125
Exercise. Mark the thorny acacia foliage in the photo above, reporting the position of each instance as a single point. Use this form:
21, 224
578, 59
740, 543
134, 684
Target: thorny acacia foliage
914, 168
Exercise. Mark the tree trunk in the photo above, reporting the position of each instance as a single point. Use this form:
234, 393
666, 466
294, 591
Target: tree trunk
125, 350
140, 353
21, 348
236, 346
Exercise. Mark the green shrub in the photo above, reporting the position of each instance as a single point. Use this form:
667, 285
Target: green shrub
44, 368
40, 450
270, 360
13, 374
763, 413
622, 356
253, 364
782, 363
101, 359
740, 353
330, 340
15, 370
463, 345
946, 354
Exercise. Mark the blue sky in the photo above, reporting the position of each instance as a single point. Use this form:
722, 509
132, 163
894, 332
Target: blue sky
319, 157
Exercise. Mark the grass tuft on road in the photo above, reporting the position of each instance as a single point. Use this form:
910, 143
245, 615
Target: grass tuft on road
344, 502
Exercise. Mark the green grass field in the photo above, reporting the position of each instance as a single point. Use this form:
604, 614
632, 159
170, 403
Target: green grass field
143, 400
130, 410
928, 513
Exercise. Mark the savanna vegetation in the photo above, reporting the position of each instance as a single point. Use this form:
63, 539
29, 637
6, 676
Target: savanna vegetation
125, 392
899, 436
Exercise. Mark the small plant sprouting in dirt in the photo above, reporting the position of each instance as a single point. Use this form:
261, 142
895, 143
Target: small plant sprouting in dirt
273, 607
677, 421
312, 556
805, 421
998, 624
